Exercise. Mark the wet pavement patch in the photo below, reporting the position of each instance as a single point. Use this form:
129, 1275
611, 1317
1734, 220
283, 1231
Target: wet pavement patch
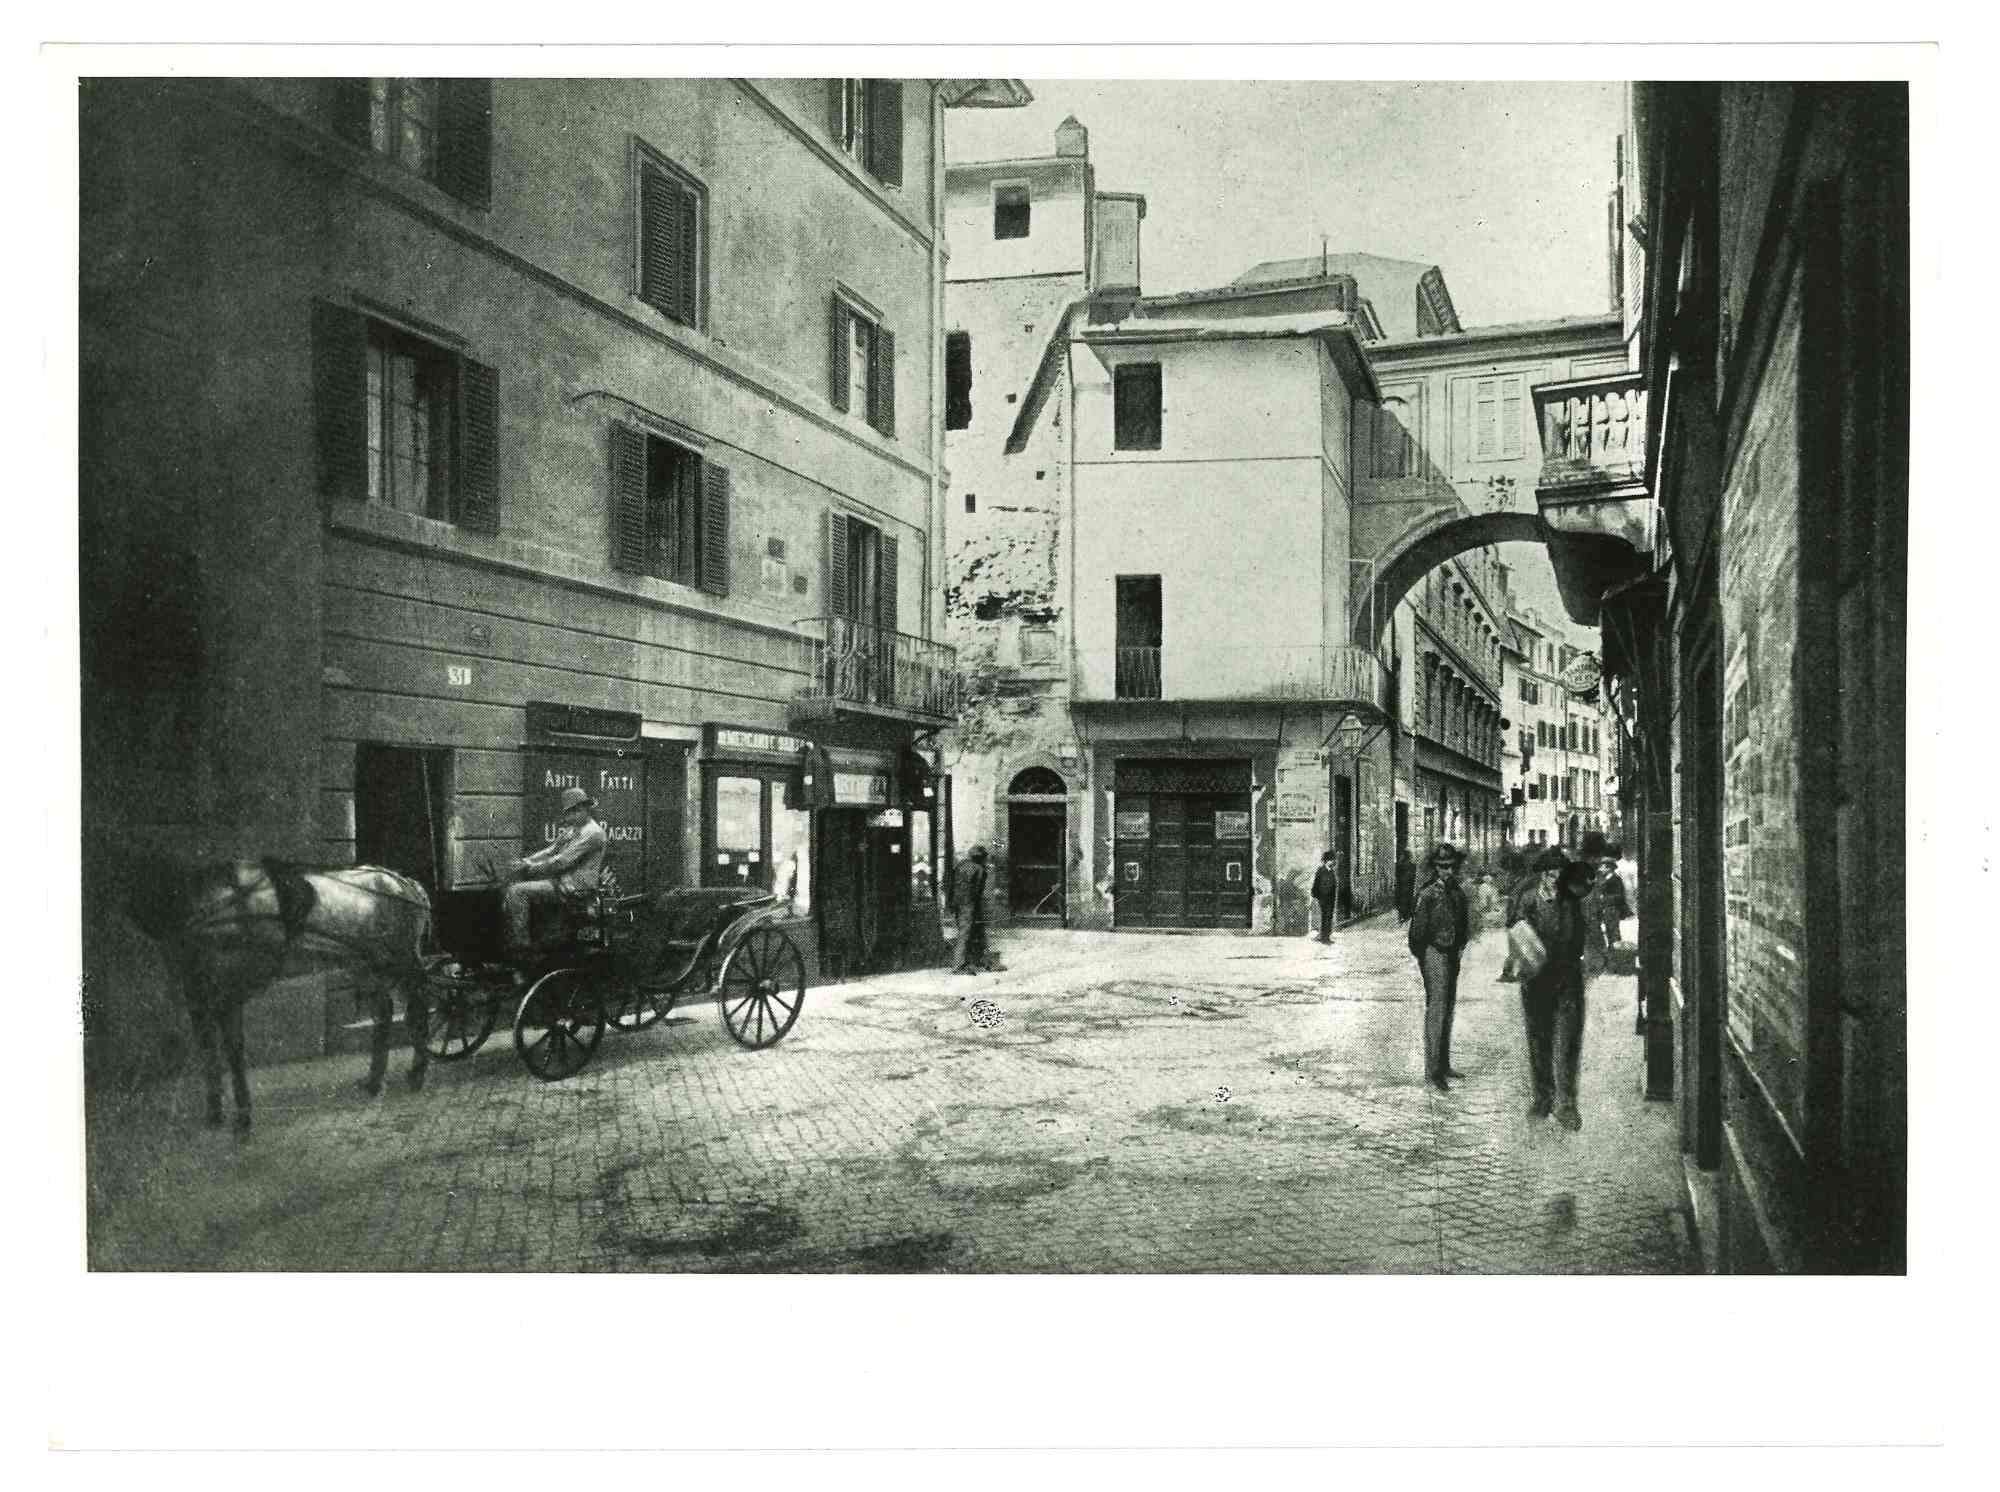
757, 1228
919, 1254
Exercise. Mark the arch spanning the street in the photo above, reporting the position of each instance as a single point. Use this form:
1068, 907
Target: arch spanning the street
1446, 535
1422, 549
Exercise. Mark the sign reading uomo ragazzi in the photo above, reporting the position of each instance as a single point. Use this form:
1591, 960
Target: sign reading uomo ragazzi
616, 780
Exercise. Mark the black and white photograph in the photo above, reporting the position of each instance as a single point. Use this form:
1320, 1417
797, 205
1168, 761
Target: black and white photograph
781, 677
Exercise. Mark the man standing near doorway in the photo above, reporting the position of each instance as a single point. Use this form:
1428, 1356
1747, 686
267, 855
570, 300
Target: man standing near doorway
1325, 887
974, 954
1439, 931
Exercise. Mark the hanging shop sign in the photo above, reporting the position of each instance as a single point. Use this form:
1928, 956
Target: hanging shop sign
861, 789
1581, 677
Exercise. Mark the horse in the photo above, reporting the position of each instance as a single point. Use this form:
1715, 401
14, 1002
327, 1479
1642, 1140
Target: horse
231, 928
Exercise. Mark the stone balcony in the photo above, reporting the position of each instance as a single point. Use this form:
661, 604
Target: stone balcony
1592, 483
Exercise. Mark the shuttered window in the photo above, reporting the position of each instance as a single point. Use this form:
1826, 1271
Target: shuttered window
669, 511
1497, 404
865, 118
861, 366
671, 272
402, 422
438, 128
861, 568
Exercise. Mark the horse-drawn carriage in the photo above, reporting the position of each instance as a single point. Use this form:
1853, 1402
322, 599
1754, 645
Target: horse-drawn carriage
616, 961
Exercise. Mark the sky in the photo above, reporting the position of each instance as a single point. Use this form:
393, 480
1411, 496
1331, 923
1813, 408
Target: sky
1500, 184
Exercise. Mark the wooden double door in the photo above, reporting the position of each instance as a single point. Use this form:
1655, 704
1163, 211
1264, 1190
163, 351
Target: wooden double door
1183, 859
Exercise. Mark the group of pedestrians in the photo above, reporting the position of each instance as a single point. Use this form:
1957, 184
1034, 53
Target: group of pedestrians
1557, 912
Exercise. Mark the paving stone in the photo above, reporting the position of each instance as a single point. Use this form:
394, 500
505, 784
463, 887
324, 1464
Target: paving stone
1177, 1104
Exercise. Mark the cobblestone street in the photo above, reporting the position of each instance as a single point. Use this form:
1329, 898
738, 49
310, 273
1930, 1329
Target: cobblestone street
1118, 1103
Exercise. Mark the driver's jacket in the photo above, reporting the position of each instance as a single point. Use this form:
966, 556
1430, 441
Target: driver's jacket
574, 859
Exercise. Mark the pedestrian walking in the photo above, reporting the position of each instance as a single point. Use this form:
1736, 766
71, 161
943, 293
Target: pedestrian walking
1406, 884
1552, 995
1489, 908
1605, 911
1514, 872
1326, 884
973, 952
1440, 927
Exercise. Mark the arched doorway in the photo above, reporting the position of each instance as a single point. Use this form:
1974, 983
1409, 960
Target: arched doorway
1038, 847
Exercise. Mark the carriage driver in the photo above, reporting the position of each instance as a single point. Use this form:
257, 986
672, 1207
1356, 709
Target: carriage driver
567, 869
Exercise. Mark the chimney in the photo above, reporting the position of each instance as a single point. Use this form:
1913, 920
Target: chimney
1072, 139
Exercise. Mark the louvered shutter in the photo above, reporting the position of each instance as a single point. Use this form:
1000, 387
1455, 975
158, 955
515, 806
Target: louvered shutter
689, 226
347, 106
1510, 417
882, 377
1486, 421
837, 602
340, 399
886, 606
628, 499
661, 272
478, 495
840, 337
714, 529
885, 130
465, 139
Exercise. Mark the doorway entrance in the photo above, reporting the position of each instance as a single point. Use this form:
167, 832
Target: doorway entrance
1038, 848
399, 810
1182, 844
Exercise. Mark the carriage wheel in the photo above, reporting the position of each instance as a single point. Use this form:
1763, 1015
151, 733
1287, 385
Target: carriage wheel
763, 987
633, 1007
461, 1018
559, 1024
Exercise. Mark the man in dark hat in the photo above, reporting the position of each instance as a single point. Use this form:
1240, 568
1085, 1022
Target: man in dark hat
1439, 930
1551, 901
1325, 884
566, 869
973, 952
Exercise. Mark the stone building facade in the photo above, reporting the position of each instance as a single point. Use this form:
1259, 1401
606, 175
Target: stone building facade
1733, 508
451, 441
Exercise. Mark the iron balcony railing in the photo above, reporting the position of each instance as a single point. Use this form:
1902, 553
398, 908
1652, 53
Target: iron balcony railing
1197, 672
854, 666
